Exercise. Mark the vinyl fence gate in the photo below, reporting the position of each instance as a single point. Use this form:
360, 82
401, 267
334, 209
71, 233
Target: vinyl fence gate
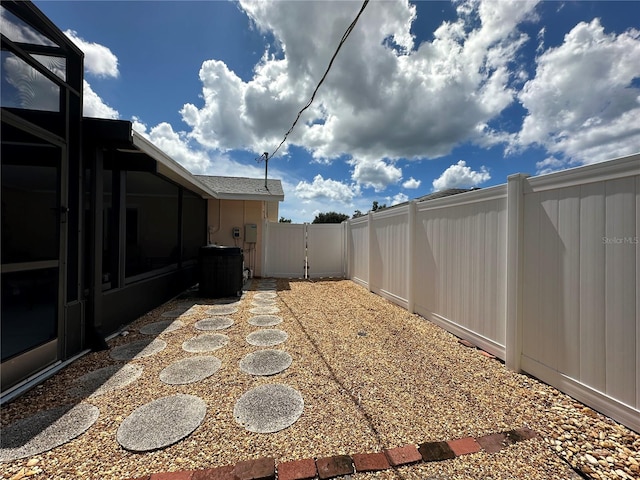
304, 250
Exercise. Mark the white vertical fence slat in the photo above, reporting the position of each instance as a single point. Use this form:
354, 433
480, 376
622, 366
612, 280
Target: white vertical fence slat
592, 286
542, 272
621, 289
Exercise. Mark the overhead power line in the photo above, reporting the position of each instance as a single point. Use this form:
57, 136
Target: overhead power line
344, 38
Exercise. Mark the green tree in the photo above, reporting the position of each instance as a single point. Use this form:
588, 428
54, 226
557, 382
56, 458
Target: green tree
375, 207
284, 220
357, 214
330, 217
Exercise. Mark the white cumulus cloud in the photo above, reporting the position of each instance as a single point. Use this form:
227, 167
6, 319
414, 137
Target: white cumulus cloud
327, 189
582, 103
461, 175
99, 60
385, 97
411, 183
94, 106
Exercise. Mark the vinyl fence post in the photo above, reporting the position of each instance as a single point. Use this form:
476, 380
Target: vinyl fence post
370, 253
411, 243
515, 246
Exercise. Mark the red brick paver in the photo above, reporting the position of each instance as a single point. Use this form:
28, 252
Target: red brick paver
436, 451
493, 443
297, 470
329, 467
464, 446
370, 462
403, 455
220, 473
261, 469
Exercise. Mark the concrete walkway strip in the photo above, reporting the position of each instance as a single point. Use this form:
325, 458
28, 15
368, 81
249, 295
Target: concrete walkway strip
164, 326
222, 310
215, 323
205, 343
267, 338
107, 379
161, 423
265, 362
265, 320
268, 408
264, 310
190, 370
45, 430
138, 349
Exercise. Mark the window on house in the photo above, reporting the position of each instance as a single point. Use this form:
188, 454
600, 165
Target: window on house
151, 223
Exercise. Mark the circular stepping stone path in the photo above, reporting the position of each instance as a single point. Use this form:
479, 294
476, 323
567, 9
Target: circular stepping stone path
221, 310
164, 326
265, 362
269, 408
265, 295
139, 349
106, 380
205, 343
264, 310
190, 370
45, 430
216, 323
267, 338
265, 320
161, 423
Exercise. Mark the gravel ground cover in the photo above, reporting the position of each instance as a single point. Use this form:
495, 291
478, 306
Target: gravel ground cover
371, 376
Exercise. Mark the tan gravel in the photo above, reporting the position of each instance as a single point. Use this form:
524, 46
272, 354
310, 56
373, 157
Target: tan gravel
372, 376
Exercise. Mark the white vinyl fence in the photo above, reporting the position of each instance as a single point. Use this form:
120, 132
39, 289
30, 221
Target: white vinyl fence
543, 272
304, 250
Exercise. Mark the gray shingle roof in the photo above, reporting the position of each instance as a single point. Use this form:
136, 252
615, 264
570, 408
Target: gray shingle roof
242, 188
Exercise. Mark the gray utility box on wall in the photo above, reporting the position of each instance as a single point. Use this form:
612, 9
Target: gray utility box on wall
220, 271
251, 233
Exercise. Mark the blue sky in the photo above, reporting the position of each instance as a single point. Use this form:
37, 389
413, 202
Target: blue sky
423, 95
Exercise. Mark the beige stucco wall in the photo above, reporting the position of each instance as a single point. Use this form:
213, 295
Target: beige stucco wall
224, 215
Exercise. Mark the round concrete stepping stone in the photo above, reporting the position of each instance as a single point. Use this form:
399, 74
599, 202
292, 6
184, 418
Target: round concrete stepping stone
164, 326
225, 301
265, 362
215, 323
190, 370
139, 349
106, 379
161, 423
269, 408
264, 302
264, 310
265, 320
45, 430
205, 343
264, 295
222, 310
267, 338
176, 312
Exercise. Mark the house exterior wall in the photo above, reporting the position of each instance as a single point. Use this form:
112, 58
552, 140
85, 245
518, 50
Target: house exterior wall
224, 215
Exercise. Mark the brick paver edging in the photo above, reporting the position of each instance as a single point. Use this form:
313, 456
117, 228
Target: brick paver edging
330, 467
